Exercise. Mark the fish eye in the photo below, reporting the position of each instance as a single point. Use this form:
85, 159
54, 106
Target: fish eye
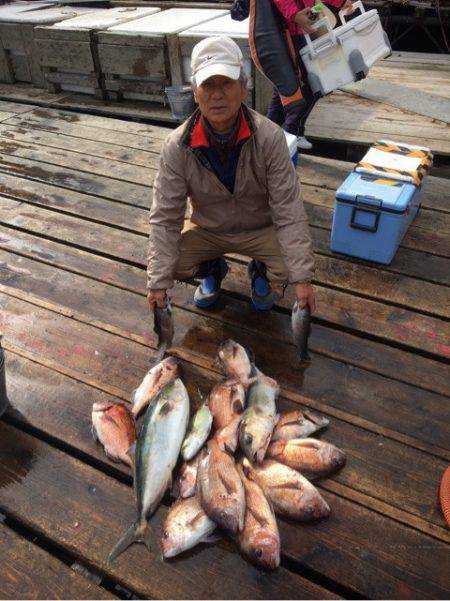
165, 534
258, 553
248, 439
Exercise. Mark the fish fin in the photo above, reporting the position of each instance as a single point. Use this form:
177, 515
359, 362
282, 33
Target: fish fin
132, 535
211, 538
250, 354
262, 521
94, 433
150, 541
133, 396
251, 380
228, 484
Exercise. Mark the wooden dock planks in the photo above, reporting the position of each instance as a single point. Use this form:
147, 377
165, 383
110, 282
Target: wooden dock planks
76, 329
341, 117
29, 572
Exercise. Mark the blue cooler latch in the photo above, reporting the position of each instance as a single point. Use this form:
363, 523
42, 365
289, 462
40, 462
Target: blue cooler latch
369, 210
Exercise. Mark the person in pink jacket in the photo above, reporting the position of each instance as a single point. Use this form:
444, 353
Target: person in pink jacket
296, 13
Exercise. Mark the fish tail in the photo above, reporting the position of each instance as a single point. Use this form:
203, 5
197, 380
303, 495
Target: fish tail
135, 534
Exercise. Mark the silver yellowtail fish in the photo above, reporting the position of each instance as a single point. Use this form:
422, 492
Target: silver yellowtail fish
157, 449
301, 328
198, 431
259, 418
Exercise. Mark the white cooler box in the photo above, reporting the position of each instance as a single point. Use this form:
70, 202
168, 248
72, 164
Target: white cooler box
345, 54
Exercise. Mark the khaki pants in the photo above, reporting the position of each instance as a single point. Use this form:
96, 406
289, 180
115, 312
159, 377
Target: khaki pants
198, 245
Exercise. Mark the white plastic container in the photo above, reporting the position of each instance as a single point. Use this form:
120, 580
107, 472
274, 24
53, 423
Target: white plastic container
291, 141
345, 54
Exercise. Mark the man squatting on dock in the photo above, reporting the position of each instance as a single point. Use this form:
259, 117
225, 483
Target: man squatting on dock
234, 166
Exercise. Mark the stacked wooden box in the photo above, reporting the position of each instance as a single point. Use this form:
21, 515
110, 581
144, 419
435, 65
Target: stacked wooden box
139, 59
68, 51
260, 89
18, 55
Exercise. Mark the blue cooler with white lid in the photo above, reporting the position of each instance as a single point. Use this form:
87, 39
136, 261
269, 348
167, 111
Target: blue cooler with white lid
292, 145
372, 215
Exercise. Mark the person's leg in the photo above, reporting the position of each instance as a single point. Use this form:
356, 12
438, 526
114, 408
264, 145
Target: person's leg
276, 112
310, 98
267, 271
201, 256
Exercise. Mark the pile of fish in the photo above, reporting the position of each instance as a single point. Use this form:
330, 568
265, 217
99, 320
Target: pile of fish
241, 461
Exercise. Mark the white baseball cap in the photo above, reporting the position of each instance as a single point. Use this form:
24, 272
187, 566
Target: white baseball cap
218, 55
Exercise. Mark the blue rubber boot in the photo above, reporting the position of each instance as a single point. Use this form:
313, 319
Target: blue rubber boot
263, 297
212, 273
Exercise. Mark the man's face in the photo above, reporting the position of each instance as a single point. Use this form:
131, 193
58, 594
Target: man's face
219, 99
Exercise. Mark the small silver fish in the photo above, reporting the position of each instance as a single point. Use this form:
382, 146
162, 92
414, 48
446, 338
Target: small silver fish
163, 327
301, 328
198, 431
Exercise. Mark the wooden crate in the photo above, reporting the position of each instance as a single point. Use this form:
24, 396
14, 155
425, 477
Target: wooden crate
68, 51
260, 89
139, 59
18, 56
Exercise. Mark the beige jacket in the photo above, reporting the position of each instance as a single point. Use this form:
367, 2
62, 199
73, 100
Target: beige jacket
267, 191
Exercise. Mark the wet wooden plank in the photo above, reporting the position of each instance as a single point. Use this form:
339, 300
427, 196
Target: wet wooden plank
408, 262
116, 125
385, 405
81, 181
148, 143
29, 572
336, 171
98, 148
58, 406
101, 507
131, 248
24, 93
90, 510
15, 107
380, 358
4, 115
105, 167
341, 116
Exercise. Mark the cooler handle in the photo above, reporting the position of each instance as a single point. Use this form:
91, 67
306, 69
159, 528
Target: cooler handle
373, 209
357, 4
330, 33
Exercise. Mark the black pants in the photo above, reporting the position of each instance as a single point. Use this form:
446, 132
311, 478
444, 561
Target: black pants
293, 120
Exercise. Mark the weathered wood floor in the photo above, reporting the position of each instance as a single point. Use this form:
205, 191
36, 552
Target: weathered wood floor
74, 196
343, 118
